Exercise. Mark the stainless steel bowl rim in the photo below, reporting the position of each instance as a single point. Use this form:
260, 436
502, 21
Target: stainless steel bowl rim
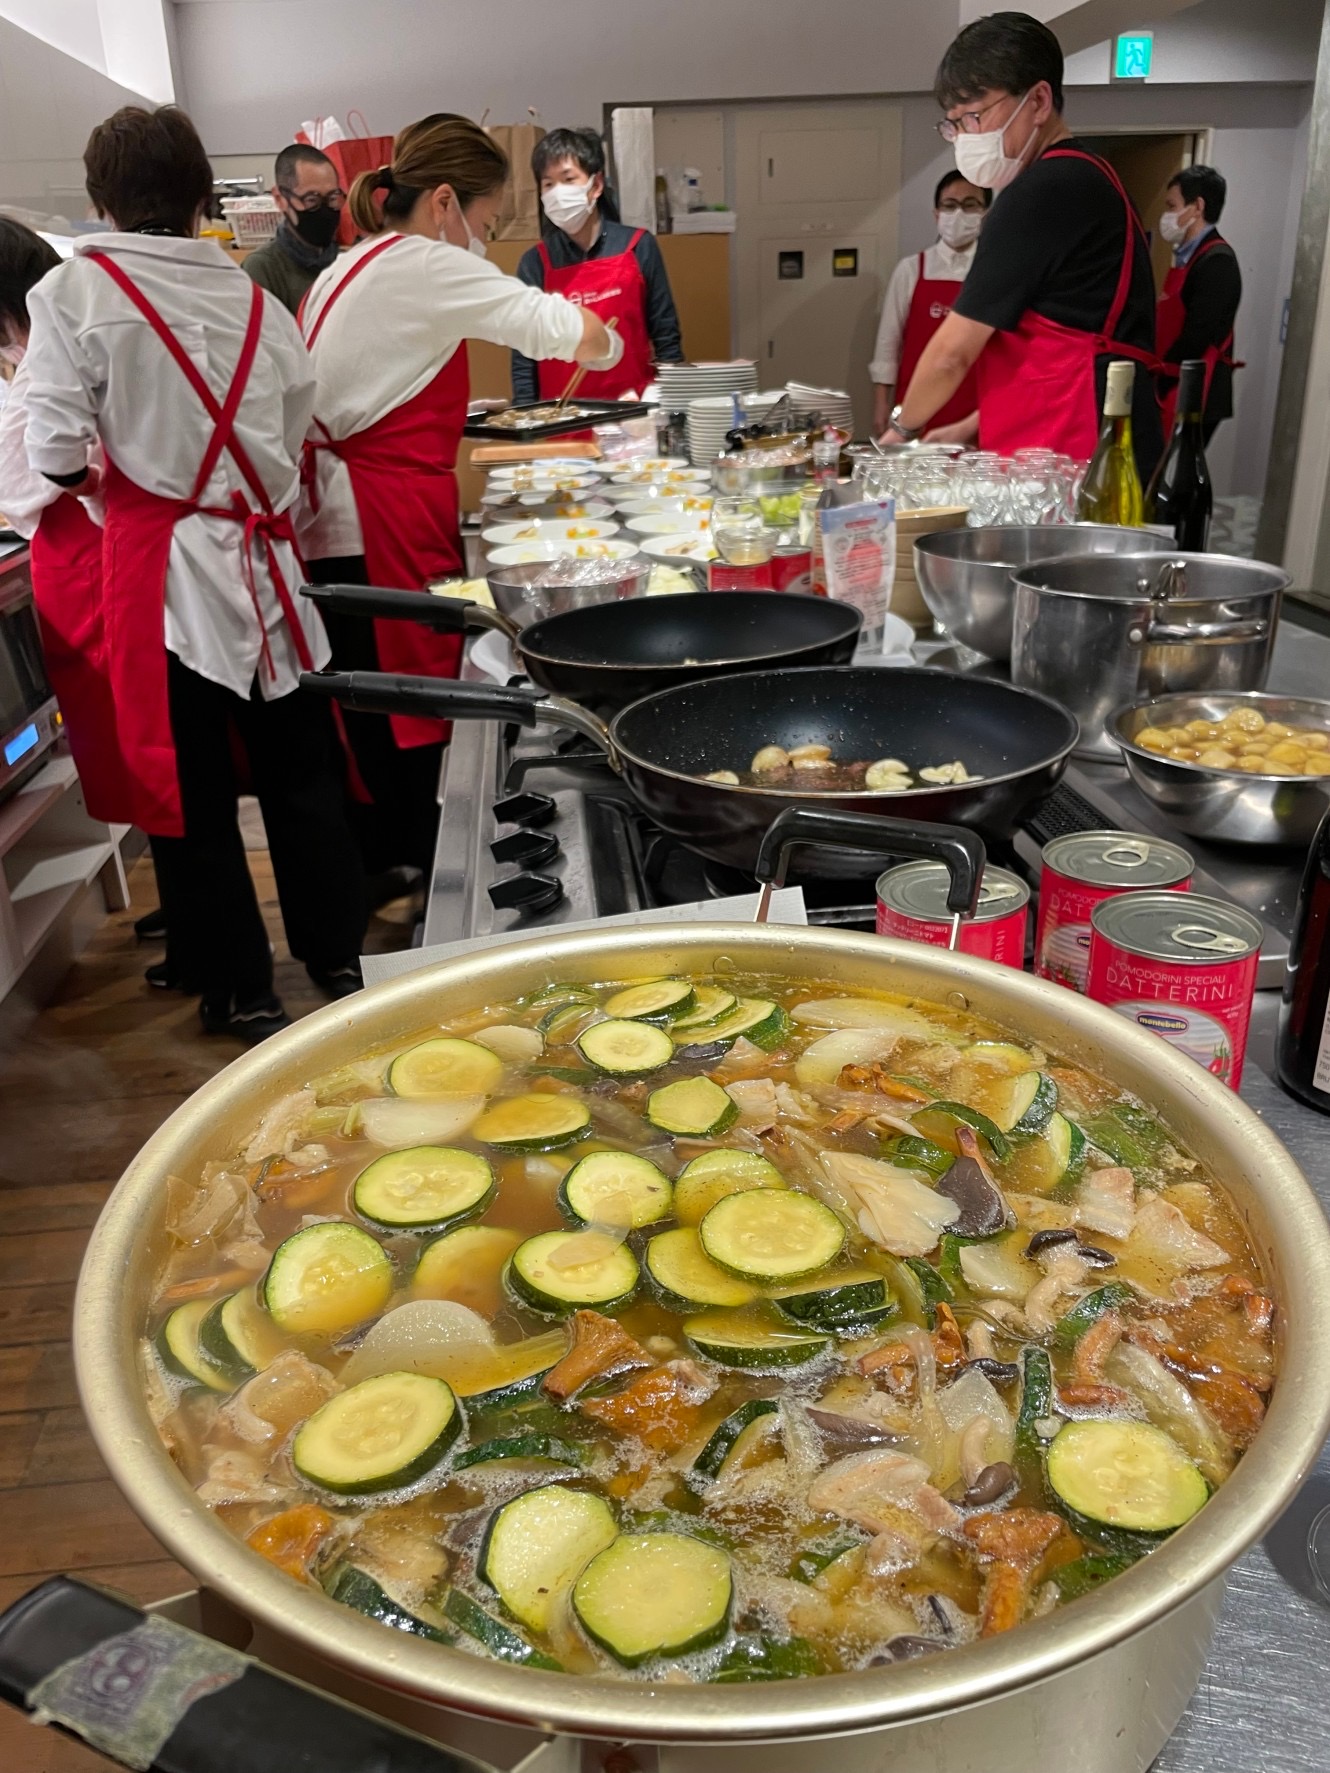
107, 1329
1252, 698
1034, 577
957, 537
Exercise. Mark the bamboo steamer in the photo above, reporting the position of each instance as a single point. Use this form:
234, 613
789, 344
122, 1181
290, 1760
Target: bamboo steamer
907, 601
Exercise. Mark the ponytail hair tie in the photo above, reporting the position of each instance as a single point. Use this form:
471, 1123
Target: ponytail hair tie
384, 179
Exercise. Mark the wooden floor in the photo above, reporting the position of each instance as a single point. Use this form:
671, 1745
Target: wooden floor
101, 1068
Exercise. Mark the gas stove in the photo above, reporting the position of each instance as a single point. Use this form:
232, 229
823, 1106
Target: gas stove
536, 831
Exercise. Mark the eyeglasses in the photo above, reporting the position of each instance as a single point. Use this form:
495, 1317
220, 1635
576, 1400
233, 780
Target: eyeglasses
313, 199
970, 206
968, 122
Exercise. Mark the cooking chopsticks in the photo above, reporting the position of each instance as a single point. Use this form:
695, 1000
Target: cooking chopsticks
581, 370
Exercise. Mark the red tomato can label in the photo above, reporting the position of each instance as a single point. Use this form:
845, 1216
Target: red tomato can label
912, 905
1183, 968
1080, 871
789, 569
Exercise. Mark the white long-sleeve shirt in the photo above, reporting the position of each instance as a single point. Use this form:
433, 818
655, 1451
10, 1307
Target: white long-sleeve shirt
24, 493
941, 265
97, 371
392, 332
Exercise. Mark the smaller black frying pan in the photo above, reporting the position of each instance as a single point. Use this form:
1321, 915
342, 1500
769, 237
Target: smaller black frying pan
607, 655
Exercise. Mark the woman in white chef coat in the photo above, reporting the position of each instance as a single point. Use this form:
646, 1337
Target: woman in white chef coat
195, 383
387, 327
921, 294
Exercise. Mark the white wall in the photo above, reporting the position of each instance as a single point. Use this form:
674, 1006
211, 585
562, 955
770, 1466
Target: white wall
1222, 40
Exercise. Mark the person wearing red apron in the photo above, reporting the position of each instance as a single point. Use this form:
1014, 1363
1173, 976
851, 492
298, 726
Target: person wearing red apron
588, 255
1199, 301
920, 295
382, 499
198, 416
1061, 280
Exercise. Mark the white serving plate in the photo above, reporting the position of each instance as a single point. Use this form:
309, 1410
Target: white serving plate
566, 505
691, 505
677, 478
682, 545
669, 523
550, 529
517, 553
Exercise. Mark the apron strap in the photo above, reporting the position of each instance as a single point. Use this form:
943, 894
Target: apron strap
632, 244
224, 430
1134, 228
367, 258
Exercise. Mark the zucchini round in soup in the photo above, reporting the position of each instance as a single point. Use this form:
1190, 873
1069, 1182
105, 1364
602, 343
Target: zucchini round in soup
736, 1329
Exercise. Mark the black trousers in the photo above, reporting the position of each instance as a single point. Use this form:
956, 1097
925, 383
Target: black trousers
401, 826
216, 932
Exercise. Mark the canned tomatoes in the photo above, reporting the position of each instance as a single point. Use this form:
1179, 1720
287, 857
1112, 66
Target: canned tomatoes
1081, 871
912, 904
1181, 967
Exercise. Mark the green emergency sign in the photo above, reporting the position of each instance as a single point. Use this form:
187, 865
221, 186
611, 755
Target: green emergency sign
1133, 53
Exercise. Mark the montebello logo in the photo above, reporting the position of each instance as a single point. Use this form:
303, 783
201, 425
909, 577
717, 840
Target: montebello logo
1159, 1022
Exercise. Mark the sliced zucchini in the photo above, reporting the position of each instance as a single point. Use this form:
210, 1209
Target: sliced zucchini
356, 1589
502, 1642
849, 1298
1089, 1310
1130, 1136
625, 1048
560, 1021
654, 1594
810, 1563
425, 1188
1036, 1406
757, 1019
1052, 1159
1124, 1474
558, 993
733, 1432
917, 1154
513, 1373
693, 1108
326, 1279
1088, 1573
379, 1435
711, 1003
615, 1188
994, 1267
734, 1339
539, 1122
464, 1265
178, 1345
537, 1545
939, 1121
924, 1287
772, 1234
519, 1447
239, 1337
753, 1657
514, 1043
542, 1274
1042, 1105
1002, 1054
445, 1068
715, 1174
659, 1000
683, 1276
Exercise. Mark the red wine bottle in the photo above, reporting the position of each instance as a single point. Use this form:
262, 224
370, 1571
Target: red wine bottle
1302, 1050
1180, 495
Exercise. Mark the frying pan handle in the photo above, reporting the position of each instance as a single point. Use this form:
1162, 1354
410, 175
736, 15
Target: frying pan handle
444, 698
200, 1706
961, 852
443, 615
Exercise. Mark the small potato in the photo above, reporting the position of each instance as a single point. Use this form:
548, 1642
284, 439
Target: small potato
1316, 741
769, 759
810, 754
1275, 729
1255, 766
1154, 738
1201, 729
1247, 720
1288, 751
1183, 753
726, 777
1318, 764
1215, 757
887, 773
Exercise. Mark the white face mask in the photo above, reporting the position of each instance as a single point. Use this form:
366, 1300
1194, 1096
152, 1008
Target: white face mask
474, 243
568, 206
959, 228
1172, 228
983, 160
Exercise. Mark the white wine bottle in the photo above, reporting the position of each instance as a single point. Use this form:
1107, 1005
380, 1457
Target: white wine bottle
1111, 491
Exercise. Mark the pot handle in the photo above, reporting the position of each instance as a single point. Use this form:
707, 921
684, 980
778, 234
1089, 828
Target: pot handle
444, 698
443, 615
1199, 634
75, 1655
960, 851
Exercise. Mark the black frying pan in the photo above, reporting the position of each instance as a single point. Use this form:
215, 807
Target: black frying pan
607, 655
665, 746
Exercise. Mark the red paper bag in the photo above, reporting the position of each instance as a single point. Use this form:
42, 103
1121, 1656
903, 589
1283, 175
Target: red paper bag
353, 155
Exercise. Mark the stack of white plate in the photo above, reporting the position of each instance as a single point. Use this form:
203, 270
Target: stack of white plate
682, 382
712, 416
834, 404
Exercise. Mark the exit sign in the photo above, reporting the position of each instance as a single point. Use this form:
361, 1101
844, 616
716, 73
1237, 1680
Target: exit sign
1133, 54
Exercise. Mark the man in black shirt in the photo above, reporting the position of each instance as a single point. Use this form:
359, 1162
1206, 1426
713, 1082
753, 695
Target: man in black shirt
1201, 294
1061, 281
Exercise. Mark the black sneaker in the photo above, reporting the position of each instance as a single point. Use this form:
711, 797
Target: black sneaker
337, 982
152, 927
250, 1022
164, 977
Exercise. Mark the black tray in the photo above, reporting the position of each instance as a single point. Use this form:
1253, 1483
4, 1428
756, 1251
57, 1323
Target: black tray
591, 412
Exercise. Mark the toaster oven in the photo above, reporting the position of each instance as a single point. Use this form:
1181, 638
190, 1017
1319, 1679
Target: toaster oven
29, 720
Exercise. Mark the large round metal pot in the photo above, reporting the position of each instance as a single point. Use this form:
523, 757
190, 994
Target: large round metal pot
1100, 1683
1098, 633
965, 575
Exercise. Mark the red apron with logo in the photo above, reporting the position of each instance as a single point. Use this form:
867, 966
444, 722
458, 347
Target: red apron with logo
1170, 317
66, 554
932, 301
135, 554
1037, 384
403, 471
614, 289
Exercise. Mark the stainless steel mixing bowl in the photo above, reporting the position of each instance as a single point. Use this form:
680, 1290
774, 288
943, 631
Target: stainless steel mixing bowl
966, 574
1227, 806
